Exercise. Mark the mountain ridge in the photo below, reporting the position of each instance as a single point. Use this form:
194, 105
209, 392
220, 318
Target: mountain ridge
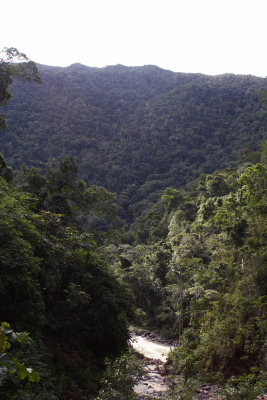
134, 125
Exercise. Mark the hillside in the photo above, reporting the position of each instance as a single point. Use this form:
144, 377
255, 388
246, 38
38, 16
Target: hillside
135, 125
189, 263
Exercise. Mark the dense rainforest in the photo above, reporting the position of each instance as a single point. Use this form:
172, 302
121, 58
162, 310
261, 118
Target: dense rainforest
137, 196
54, 281
135, 130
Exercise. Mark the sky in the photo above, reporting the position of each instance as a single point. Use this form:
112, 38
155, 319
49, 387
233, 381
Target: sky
203, 36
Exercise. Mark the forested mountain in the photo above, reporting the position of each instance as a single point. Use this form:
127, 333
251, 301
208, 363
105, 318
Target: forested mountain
140, 126
186, 154
54, 280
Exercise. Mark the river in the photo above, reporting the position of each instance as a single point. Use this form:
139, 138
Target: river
153, 383
151, 349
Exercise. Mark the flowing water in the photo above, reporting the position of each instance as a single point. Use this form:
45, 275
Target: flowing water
153, 383
151, 349
156, 353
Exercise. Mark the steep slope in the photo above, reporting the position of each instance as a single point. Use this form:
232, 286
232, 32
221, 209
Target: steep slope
135, 125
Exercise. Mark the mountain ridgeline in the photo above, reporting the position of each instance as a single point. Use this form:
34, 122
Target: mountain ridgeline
136, 129
187, 156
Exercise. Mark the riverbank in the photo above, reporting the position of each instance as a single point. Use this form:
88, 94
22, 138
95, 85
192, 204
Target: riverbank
156, 382
156, 337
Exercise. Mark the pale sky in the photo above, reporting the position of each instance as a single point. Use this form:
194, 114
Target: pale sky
207, 36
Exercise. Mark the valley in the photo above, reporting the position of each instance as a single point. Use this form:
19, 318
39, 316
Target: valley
131, 196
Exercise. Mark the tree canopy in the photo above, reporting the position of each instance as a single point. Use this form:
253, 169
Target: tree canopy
140, 126
180, 247
14, 66
54, 281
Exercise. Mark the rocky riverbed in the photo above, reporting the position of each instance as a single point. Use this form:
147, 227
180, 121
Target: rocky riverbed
155, 349
156, 381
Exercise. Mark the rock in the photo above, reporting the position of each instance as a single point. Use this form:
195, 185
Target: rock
159, 339
153, 383
208, 392
146, 334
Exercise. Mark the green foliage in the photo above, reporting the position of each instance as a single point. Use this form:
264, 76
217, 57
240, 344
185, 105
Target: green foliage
205, 284
144, 269
193, 263
52, 273
136, 131
245, 387
183, 390
21, 298
120, 377
6, 172
185, 361
216, 271
9, 364
25, 70
172, 198
59, 191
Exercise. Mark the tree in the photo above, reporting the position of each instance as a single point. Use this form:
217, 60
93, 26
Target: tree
172, 198
54, 275
59, 191
21, 297
6, 172
14, 65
